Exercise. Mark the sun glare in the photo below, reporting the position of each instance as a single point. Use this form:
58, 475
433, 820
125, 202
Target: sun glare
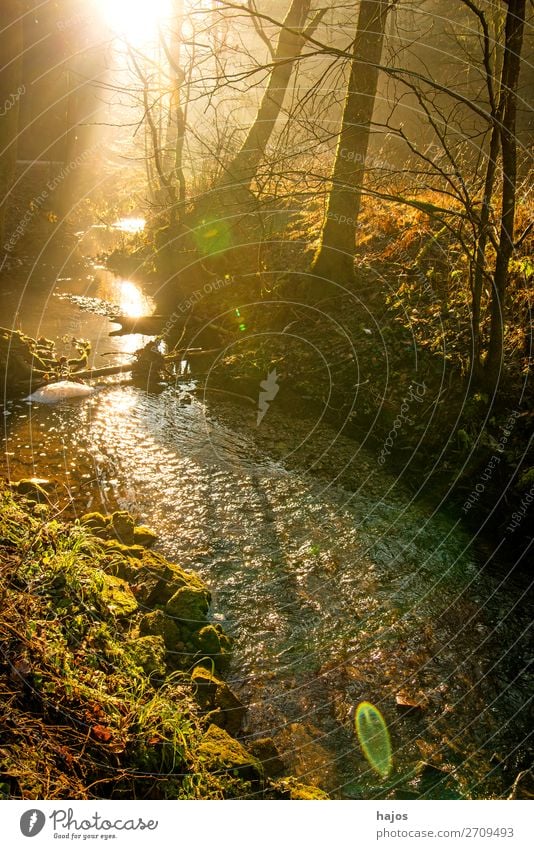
136, 21
131, 300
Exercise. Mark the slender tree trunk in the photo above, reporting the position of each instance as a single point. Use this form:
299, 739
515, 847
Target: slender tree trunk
11, 90
336, 254
513, 42
174, 143
480, 252
243, 168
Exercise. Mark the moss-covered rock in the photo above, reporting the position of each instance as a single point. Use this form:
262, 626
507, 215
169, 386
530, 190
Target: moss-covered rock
120, 527
153, 624
155, 578
148, 653
189, 604
32, 487
156, 623
215, 696
266, 752
208, 640
115, 595
219, 752
97, 524
290, 788
144, 536
114, 546
123, 526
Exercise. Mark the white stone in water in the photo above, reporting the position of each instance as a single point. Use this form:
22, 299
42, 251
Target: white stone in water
63, 390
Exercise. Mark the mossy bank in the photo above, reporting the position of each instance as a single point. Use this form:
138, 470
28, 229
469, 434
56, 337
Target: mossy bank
111, 671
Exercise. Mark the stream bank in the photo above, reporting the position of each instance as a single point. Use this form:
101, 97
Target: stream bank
110, 671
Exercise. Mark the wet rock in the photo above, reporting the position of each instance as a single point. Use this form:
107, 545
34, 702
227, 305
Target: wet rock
148, 652
208, 640
113, 545
32, 487
266, 752
153, 624
430, 776
97, 523
119, 527
213, 694
123, 526
408, 705
116, 596
189, 604
156, 580
144, 536
288, 788
221, 753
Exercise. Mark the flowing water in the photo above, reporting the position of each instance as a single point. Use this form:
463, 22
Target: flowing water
336, 585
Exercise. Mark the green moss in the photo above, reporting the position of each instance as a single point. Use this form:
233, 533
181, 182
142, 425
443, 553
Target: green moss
149, 653
115, 595
290, 788
218, 752
189, 604
127, 551
153, 624
144, 536
215, 696
123, 527
97, 524
155, 577
208, 640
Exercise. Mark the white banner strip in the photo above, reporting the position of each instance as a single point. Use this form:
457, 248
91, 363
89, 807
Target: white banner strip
264, 825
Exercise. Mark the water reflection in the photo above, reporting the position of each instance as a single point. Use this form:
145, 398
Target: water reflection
132, 302
130, 225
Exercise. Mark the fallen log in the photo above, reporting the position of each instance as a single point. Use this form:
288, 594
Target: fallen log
146, 325
91, 373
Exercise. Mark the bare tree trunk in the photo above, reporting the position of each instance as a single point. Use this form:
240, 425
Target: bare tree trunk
11, 90
336, 254
513, 42
245, 164
174, 143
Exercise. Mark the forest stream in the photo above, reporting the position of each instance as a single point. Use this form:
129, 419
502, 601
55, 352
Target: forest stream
337, 586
